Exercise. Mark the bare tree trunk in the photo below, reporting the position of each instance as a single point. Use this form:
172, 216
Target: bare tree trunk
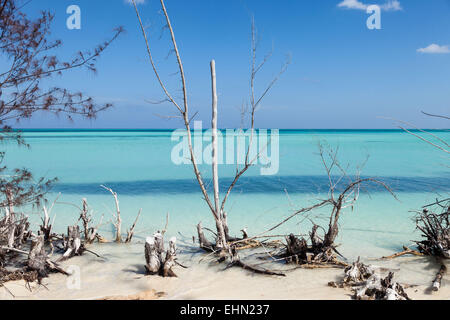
170, 259
155, 262
46, 227
118, 223
72, 244
37, 258
215, 207
222, 239
85, 219
152, 261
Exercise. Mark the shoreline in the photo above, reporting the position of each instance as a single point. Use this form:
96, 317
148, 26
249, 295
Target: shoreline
122, 277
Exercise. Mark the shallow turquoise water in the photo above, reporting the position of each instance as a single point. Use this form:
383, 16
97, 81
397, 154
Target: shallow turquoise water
137, 164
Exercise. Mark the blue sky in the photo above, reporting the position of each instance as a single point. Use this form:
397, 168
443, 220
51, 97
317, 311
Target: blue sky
342, 74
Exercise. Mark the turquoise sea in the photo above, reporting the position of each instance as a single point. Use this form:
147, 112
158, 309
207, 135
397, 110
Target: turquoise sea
137, 165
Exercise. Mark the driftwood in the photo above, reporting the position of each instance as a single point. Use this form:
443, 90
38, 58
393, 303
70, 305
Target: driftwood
366, 284
236, 261
37, 258
72, 243
434, 224
16, 239
377, 288
169, 262
46, 226
90, 232
437, 281
435, 228
21, 274
36, 267
130, 232
15, 234
315, 252
405, 251
156, 262
203, 241
118, 222
14, 230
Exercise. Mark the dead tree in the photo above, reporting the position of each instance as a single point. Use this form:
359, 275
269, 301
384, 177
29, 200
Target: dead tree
130, 232
46, 226
158, 263
435, 229
73, 246
118, 219
434, 224
427, 136
368, 284
37, 259
118, 222
343, 193
216, 206
90, 232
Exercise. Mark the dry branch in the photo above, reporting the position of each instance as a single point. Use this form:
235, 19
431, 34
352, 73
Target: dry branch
118, 223
367, 284
130, 232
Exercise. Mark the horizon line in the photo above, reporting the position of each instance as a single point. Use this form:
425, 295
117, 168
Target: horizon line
205, 129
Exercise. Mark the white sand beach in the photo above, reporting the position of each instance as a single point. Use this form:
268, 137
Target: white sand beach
121, 276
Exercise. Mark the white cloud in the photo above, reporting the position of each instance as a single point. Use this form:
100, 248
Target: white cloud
137, 1
434, 48
390, 5
352, 4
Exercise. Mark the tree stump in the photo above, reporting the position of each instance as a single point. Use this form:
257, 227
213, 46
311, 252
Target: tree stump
156, 263
37, 258
72, 243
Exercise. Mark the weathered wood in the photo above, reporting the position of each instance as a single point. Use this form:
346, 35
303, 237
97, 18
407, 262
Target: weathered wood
169, 263
46, 227
86, 220
37, 258
358, 272
152, 257
437, 281
296, 248
156, 262
237, 262
203, 241
72, 243
405, 251
219, 215
244, 233
130, 232
435, 228
118, 223
369, 285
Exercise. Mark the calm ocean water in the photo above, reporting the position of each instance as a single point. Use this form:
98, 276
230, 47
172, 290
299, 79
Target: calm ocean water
138, 166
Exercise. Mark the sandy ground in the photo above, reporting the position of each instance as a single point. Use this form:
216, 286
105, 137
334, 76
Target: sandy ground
120, 275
